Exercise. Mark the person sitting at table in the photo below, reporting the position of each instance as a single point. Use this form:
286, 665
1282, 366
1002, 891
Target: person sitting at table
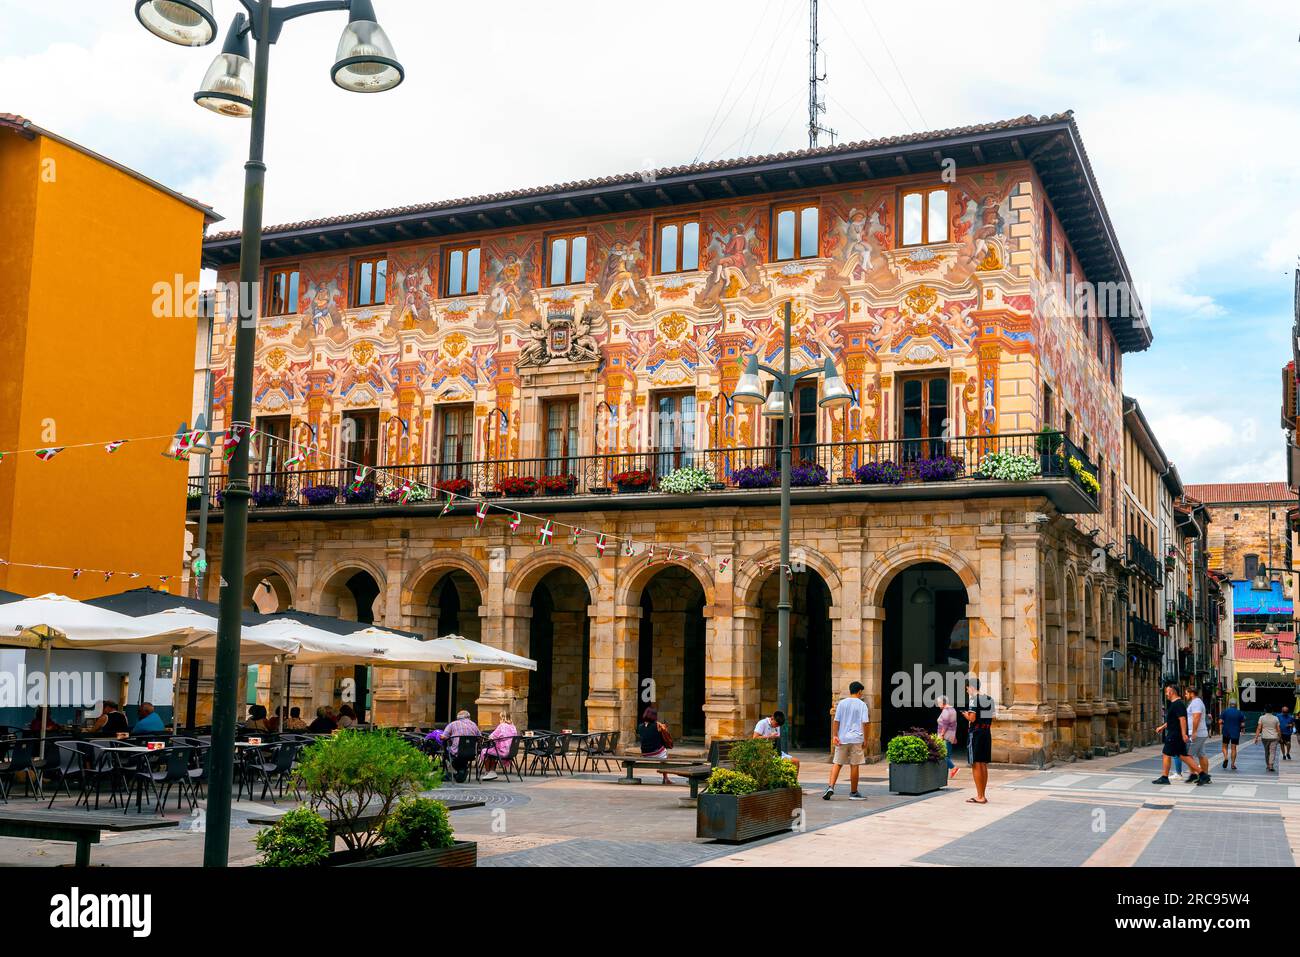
324, 723
295, 722
111, 721
499, 747
43, 718
656, 742
150, 721
457, 752
256, 718
347, 717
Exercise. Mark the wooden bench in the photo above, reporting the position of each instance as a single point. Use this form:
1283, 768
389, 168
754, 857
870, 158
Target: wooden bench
693, 771
77, 827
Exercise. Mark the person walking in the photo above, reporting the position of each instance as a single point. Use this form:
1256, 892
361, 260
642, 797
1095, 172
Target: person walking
1230, 723
1269, 730
1198, 735
1286, 728
980, 709
1174, 730
947, 730
849, 736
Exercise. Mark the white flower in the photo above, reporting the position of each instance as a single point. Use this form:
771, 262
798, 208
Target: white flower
685, 480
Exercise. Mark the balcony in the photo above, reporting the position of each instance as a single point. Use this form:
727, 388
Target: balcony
1143, 638
896, 470
1145, 561
1184, 606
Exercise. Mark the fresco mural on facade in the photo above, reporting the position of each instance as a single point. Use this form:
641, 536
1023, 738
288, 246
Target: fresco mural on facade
735, 249
621, 254
512, 276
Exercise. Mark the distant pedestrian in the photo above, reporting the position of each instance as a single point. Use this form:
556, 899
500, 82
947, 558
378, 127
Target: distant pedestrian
1286, 728
1198, 735
849, 736
1230, 723
980, 709
770, 729
1174, 730
1268, 729
947, 730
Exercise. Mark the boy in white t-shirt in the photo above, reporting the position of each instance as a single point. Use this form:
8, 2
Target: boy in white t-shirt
849, 735
770, 728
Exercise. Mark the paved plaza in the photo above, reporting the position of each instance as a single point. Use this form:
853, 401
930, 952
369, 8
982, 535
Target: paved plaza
1103, 812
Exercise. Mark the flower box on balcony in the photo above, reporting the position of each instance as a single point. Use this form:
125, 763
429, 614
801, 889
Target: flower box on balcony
490, 493
757, 476
321, 494
362, 494
807, 474
945, 468
633, 480
517, 486
268, 496
457, 486
559, 484
879, 473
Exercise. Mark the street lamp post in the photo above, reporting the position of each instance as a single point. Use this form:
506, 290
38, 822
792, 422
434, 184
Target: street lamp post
236, 85
780, 404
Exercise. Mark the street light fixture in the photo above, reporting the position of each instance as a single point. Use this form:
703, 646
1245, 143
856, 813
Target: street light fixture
236, 85
750, 392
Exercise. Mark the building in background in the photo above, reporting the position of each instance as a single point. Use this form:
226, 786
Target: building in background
589, 336
84, 245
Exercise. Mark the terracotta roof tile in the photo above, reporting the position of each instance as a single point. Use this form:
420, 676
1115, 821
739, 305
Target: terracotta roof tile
1222, 493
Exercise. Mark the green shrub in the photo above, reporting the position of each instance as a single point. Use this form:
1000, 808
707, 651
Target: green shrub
356, 772
916, 747
416, 824
299, 839
757, 758
784, 774
725, 781
1048, 441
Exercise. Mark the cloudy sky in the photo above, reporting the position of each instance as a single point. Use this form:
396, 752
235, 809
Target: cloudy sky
1188, 112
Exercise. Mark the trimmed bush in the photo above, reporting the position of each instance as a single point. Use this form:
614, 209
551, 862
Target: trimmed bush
298, 839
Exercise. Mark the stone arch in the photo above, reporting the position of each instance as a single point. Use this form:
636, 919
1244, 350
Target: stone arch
639, 572
525, 576
333, 578
749, 580
893, 561
418, 584
269, 570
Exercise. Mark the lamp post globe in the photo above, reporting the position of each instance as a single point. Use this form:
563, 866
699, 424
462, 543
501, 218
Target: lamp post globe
189, 23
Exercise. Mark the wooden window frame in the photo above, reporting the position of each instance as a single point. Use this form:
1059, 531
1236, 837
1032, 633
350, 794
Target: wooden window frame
574, 404
924, 192
268, 299
355, 284
551, 239
797, 209
680, 222
350, 446
466, 249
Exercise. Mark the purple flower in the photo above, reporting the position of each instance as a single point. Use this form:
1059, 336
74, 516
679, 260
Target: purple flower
879, 473
320, 494
945, 468
807, 474
757, 476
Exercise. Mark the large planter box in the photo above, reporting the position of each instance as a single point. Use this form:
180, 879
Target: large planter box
460, 854
918, 778
743, 817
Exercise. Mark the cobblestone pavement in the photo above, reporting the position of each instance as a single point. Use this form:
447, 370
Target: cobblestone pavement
1102, 812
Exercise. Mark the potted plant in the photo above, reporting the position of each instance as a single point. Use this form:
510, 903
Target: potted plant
759, 795
917, 762
1048, 445
192, 500
268, 496
456, 486
300, 838
633, 480
1009, 467
685, 480
1086, 478
321, 494
807, 474
360, 494
757, 476
394, 493
879, 473
559, 484
943, 468
517, 486
368, 783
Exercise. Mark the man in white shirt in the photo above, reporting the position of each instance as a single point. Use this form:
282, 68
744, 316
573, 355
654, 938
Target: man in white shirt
770, 728
1198, 734
848, 735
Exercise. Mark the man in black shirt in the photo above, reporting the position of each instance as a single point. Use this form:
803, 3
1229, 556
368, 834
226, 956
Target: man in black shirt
111, 722
1175, 730
979, 737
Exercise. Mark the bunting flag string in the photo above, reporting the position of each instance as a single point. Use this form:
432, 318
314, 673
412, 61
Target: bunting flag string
723, 563
77, 571
480, 515
46, 454
547, 530
600, 544
113, 446
514, 522
446, 506
577, 533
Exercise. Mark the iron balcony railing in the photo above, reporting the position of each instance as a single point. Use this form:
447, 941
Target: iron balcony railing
1145, 560
1143, 634
892, 462
1184, 605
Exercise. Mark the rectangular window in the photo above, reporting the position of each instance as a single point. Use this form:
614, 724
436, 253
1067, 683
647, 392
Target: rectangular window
674, 430
274, 443
923, 415
560, 420
455, 440
360, 439
679, 245
281, 297
1100, 331
924, 217
805, 425
794, 233
1047, 235
460, 269
1047, 405
1112, 361
370, 281
567, 256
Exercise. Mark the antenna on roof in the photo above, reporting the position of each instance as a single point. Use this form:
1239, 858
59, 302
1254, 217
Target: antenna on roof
816, 106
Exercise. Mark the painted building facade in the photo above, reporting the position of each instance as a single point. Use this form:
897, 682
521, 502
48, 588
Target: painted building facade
585, 331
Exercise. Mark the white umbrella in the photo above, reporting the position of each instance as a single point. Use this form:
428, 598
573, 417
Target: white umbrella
462, 654
50, 621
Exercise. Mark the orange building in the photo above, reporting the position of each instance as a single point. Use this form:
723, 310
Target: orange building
91, 350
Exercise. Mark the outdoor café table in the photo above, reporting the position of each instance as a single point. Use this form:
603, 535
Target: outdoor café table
77, 827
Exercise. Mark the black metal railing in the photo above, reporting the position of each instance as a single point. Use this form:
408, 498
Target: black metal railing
1145, 560
1184, 605
1143, 634
891, 462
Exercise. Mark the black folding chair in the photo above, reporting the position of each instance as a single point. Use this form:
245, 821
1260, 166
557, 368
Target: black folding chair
70, 766
21, 762
463, 749
507, 761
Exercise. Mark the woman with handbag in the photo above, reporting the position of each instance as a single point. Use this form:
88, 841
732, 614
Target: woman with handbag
656, 741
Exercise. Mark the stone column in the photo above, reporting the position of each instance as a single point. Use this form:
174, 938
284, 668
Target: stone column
872, 648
